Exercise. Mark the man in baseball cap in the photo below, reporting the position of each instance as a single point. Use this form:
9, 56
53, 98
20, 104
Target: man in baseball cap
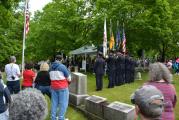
149, 102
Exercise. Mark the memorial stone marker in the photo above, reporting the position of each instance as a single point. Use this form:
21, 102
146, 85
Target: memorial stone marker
119, 111
138, 76
78, 84
94, 104
78, 88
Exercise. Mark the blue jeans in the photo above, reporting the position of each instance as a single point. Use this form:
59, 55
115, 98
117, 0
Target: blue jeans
13, 86
59, 100
4, 115
44, 89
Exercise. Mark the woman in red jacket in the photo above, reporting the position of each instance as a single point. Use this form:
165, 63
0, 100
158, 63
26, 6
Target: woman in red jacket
28, 76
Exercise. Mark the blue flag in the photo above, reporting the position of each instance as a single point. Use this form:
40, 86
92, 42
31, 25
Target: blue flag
118, 39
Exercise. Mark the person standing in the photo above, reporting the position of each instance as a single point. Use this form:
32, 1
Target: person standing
60, 79
111, 69
5, 100
161, 79
123, 74
119, 69
28, 76
42, 81
149, 103
99, 68
127, 69
133, 65
13, 76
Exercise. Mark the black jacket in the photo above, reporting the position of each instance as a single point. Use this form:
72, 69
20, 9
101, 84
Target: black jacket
99, 65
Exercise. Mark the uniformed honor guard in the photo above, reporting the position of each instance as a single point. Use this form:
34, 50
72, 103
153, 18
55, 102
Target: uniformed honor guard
99, 69
111, 70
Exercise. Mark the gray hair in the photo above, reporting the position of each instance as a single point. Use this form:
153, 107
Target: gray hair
159, 71
12, 59
29, 104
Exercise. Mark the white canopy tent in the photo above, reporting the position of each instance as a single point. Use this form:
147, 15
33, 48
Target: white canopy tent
85, 50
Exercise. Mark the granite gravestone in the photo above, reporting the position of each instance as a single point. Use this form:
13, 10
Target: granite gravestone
119, 111
78, 88
138, 76
95, 104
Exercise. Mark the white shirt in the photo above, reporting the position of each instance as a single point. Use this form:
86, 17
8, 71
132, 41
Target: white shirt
12, 69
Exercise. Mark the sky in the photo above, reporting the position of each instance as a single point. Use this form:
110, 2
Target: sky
35, 5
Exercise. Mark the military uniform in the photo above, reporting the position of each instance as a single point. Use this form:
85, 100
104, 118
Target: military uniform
127, 69
99, 68
119, 73
133, 65
111, 70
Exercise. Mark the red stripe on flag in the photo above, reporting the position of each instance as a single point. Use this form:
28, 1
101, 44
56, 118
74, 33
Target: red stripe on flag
27, 20
124, 43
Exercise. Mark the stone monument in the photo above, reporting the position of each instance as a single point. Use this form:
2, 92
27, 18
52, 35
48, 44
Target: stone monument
119, 111
138, 76
94, 104
78, 88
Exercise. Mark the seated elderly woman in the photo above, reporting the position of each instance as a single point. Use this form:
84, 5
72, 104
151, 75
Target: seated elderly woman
29, 104
160, 78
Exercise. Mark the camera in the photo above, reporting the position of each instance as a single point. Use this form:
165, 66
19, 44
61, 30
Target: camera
13, 77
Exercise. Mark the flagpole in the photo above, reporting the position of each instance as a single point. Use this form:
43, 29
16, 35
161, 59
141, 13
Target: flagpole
24, 36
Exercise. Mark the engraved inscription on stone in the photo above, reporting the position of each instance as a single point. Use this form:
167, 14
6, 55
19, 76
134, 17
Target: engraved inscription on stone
121, 107
119, 111
94, 105
96, 99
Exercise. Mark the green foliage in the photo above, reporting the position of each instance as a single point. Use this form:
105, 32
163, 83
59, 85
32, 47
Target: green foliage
60, 27
11, 27
64, 25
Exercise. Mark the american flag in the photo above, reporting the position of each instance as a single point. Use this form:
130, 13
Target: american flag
124, 42
105, 39
27, 19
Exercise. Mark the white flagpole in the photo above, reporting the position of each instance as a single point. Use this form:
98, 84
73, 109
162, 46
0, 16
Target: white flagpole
24, 36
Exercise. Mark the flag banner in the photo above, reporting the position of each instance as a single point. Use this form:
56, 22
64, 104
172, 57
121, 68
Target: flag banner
27, 15
111, 43
26, 29
118, 39
124, 42
105, 39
